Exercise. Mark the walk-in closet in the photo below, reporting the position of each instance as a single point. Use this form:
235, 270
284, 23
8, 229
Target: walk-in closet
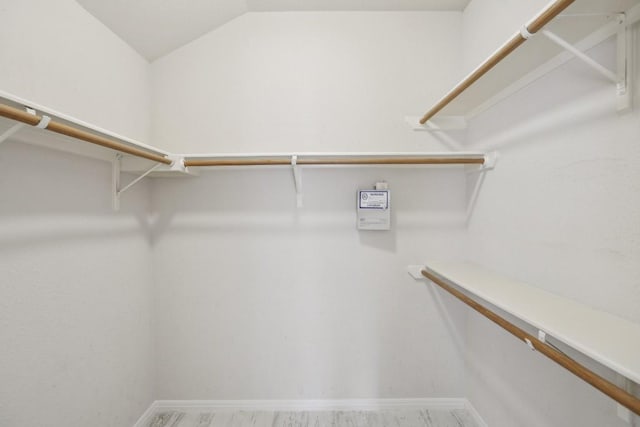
407, 213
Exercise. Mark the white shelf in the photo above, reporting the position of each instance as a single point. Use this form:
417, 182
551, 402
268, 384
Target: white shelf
345, 159
132, 163
584, 24
610, 340
17, 102
56, 141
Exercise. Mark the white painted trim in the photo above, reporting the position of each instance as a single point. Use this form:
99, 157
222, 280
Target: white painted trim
315, 405
474, 414
146, 415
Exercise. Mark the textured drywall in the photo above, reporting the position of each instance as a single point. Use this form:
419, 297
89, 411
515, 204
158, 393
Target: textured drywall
560, 212
75, 294
487, 24
54, 53
306, 81
256, 299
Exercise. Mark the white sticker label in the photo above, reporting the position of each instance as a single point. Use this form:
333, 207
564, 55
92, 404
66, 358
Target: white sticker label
374, 199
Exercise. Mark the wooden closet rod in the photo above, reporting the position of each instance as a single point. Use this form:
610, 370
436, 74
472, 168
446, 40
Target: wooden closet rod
434, 160
616, 393
63, 129
541, 20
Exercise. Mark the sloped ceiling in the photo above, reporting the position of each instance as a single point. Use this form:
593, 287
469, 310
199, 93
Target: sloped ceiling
157, 27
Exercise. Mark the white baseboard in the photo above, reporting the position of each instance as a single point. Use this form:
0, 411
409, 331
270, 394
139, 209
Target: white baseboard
146, 416
475, 414
315, 405
312, 405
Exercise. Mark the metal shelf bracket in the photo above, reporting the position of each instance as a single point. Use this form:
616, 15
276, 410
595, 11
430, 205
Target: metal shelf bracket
624, 413
12, 130
115, 181
116, 190
624, 56
297, 180
621, 76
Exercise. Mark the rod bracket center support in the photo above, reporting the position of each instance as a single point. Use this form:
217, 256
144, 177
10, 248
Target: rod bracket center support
297, 179
529, 344
44, 121
524, 32
115, 182
177, 163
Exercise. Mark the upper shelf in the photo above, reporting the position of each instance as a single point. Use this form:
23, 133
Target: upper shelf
66, 132
519, 56
332, 159
610, 340
40, 126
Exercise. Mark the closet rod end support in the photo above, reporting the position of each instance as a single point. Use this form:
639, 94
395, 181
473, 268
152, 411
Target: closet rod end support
524, 32
415, 271
439, 124
177, 163
44, 120
177, 167
490, 160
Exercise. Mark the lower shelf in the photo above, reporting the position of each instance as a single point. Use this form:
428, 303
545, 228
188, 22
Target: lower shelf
610, 340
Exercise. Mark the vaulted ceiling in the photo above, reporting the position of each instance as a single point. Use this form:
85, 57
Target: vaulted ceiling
157, 27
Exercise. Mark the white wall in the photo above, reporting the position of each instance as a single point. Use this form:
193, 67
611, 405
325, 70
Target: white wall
561, 212
256, 299
306, 81
54, 53
75, 316
487, 24
75, 294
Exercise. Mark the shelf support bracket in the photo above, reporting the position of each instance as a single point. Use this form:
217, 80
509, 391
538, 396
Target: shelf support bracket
297, 180
623, 412
135, 181
117, 191
624, 54
115, 181
13, 129
610, 75
621, 76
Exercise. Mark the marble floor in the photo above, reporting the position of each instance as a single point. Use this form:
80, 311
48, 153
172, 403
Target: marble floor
379, 418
